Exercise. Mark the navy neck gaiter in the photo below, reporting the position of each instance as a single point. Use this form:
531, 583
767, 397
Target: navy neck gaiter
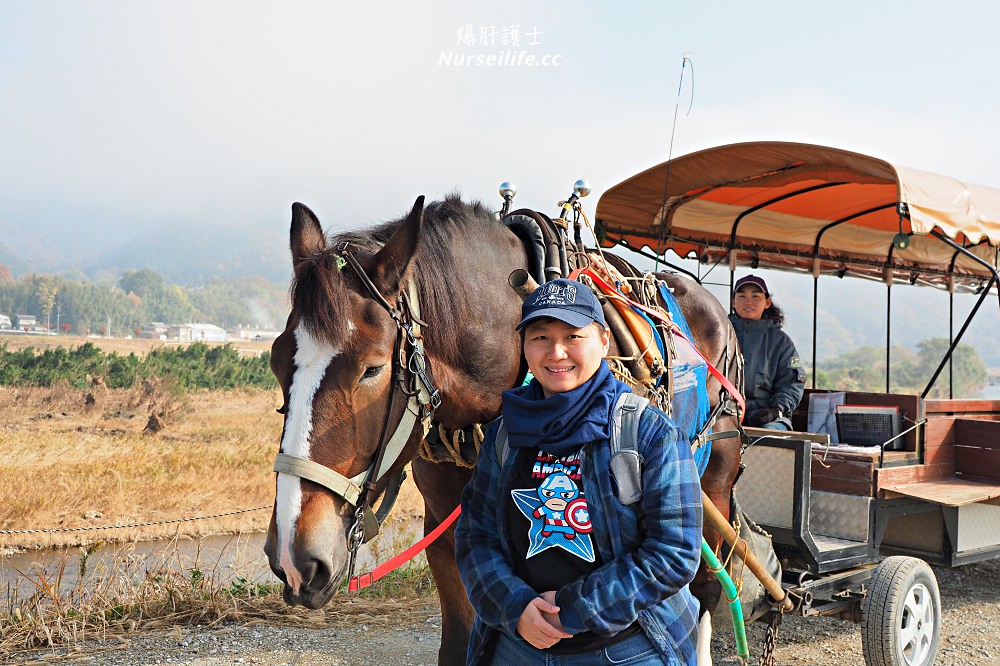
566, 421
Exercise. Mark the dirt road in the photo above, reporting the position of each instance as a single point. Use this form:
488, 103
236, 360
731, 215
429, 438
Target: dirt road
407, 633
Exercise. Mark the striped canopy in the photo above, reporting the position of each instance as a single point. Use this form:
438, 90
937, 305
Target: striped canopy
803, 207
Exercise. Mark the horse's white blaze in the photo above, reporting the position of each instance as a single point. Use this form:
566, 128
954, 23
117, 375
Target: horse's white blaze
312, 358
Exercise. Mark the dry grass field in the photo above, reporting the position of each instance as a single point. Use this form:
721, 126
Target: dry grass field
69, 464
85, 459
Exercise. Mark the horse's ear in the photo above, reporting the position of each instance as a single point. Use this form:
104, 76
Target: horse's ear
393, 261
307, 236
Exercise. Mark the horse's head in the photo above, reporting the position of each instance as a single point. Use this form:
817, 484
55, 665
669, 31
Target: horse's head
345, 394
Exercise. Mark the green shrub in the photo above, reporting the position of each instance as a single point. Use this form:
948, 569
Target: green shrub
195, 366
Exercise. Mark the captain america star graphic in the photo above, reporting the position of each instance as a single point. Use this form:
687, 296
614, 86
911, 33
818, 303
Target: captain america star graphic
557, 511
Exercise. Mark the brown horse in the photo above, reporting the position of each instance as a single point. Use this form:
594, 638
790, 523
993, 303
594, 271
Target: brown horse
349, 351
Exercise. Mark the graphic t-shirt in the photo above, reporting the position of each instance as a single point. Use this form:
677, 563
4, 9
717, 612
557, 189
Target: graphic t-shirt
550, 527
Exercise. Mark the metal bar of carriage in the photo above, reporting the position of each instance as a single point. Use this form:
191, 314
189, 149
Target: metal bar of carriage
852, 525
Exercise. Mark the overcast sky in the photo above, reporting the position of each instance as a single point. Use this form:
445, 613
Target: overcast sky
119, 116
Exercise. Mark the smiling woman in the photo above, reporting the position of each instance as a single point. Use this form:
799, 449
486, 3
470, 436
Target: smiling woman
565, 336
751, 298
774, 378
561, 356
543, 540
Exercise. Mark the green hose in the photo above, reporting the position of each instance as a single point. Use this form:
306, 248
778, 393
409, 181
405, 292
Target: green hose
732, 596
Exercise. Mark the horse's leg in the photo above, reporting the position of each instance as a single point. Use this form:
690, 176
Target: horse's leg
441, 485
717, 483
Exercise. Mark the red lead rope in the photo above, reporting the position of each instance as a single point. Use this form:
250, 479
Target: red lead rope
364, 580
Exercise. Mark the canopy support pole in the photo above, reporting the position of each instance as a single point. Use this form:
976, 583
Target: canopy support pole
951, 325
951, 322
816, 269
951, 341
958, 338
994, 280
888, 331
815, 323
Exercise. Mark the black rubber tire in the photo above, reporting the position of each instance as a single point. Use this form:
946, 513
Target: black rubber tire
901, 614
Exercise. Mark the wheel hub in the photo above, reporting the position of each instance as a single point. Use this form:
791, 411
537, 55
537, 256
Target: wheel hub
916, 628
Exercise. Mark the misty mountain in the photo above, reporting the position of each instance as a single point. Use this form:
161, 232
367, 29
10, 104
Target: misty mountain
25, 249
15, 263
188, 253
191, 254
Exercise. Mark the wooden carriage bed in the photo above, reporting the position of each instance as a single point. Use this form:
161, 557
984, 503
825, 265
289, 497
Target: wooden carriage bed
939, 495
953, 459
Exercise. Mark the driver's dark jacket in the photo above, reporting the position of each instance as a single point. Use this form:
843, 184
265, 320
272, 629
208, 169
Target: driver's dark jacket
773, 374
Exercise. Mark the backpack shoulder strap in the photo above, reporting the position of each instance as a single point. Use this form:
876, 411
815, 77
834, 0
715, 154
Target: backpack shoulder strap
501, 445
626, 462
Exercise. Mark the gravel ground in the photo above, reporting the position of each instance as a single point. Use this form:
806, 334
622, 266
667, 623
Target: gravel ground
408, 634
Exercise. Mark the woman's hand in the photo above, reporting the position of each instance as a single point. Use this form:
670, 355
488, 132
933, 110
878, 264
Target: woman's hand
539, 623
764, 416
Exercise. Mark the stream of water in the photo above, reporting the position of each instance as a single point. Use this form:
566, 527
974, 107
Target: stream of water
222, 560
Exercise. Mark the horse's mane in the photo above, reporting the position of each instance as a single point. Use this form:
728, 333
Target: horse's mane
318, 291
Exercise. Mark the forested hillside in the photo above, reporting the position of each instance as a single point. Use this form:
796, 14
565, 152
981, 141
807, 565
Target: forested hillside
141, 297
863, 369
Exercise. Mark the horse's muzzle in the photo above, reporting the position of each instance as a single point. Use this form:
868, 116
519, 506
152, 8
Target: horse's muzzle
318, 585
316, 567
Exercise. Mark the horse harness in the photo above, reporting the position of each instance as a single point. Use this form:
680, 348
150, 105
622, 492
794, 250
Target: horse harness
648, 368
408, 358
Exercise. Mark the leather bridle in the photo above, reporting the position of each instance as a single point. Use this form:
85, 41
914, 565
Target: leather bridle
410, 377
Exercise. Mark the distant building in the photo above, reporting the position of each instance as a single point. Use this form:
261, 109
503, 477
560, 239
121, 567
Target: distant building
248, 333
5, 324
154, 331
198, 333
25, 322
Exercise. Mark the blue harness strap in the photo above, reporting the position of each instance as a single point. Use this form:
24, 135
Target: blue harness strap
690, 404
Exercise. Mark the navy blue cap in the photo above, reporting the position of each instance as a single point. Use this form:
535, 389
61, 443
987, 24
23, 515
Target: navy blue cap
566, 300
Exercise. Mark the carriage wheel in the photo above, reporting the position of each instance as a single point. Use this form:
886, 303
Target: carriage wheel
901, 614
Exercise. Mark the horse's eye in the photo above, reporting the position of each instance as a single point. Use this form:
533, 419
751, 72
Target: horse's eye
373, 371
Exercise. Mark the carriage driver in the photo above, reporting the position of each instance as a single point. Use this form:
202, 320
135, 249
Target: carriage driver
774, 378
552, 562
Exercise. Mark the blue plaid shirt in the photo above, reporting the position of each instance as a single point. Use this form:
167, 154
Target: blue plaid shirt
650, 550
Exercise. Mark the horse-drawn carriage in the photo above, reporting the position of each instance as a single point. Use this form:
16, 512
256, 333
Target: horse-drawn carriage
384, 352
905, 475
